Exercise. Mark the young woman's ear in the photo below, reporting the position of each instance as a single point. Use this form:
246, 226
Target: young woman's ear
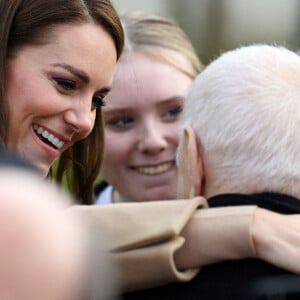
190, 167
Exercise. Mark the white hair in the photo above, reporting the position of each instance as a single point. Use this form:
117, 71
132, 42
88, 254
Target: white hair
245, 110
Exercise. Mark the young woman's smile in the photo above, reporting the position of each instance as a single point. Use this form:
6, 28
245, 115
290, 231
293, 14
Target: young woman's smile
154, 169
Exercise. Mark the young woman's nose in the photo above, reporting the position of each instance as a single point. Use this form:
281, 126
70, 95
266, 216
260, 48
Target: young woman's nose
80, 118
152, 139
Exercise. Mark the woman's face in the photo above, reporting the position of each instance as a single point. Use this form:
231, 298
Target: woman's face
142, 120
53, 90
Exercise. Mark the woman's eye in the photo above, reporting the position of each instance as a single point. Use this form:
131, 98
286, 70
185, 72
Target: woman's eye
65, 84
174, 112
120, 122
98, 101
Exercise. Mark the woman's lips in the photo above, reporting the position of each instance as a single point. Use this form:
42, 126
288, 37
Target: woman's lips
154, 170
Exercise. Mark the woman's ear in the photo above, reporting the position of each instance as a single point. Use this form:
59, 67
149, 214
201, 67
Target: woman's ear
190, 167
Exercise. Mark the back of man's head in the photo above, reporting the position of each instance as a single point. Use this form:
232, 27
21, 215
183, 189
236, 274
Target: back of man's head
245, 110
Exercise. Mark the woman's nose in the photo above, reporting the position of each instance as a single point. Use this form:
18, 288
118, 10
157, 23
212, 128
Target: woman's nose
81, 119
152, 140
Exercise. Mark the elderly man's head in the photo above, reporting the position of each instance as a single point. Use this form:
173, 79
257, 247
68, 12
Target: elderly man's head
243, 111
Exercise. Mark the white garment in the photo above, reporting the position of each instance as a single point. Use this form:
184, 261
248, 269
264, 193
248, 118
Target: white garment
105, 197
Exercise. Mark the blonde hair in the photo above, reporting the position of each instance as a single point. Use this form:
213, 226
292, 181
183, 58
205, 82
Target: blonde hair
245, 109
157, 36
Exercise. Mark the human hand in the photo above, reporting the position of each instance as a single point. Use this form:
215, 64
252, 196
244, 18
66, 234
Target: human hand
276, 239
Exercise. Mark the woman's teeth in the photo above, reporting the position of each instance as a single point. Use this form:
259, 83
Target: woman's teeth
56, 142
154, 170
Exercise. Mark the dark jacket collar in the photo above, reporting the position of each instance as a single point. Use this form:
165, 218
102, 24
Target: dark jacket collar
277, 202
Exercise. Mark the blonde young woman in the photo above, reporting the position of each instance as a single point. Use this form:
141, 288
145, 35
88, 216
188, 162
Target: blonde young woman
143, 110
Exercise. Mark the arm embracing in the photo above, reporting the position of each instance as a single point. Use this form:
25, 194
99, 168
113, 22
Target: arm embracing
217, 234
160, 242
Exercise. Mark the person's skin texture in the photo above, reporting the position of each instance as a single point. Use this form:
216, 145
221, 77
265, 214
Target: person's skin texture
142, 118
53, 91
37, 238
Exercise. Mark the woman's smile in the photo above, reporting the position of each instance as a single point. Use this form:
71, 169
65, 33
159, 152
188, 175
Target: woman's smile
48, 137
154, 169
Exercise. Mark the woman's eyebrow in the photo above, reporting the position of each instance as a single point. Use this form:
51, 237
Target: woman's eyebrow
81, 75
172, 99
76, 72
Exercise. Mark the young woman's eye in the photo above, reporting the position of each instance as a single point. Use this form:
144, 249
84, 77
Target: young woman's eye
65, 84
174, 112
98, 101
120, 122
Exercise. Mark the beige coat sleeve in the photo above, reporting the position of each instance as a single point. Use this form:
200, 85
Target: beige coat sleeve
142, 238
145, 236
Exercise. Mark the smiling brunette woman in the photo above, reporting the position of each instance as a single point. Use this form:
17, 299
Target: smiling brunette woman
57, 60
53, 93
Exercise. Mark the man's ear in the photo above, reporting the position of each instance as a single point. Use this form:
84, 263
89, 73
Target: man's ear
190, 167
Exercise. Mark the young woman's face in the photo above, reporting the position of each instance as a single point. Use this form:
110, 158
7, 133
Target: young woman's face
142, 119
53, 90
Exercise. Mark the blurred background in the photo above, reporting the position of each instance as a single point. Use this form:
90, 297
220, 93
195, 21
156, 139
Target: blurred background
215, 26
